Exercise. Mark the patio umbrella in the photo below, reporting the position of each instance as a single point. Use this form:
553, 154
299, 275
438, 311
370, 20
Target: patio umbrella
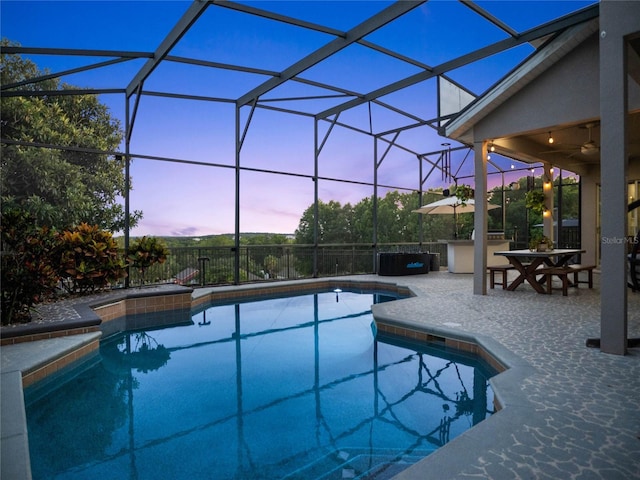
451, 205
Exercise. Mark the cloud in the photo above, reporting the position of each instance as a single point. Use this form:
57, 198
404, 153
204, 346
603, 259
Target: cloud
185, 232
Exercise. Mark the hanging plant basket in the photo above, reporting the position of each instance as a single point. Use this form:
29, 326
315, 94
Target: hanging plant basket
534, 201
464, 193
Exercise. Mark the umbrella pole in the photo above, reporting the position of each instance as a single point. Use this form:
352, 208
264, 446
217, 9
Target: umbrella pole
455, 223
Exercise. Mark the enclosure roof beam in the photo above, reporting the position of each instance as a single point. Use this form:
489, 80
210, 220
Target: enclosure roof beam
190, 16
365, 28
186, 96
222, 66
486, 15
15, 49
278, 17
61, 93
548, 28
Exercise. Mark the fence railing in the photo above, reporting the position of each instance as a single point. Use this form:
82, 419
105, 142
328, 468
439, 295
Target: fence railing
200, 266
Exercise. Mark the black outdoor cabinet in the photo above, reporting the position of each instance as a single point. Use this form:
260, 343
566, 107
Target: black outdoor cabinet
403, 263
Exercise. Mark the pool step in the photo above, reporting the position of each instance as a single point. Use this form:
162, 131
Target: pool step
358, 464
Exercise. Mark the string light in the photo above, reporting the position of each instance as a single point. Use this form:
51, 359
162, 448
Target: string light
550, 139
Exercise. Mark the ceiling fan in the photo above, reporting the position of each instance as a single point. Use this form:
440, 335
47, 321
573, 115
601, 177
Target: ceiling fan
589, 148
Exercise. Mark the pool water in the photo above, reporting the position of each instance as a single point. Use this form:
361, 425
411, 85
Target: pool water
295, 388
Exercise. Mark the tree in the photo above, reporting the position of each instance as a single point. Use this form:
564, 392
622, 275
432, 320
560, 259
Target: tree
59, 188
396, 221
335, 224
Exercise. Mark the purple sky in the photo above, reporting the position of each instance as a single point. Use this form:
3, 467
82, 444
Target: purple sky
196, 200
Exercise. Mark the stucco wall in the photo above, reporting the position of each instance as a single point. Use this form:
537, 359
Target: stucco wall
567, 92
589, 232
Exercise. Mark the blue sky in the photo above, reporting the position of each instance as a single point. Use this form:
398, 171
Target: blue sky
198, 200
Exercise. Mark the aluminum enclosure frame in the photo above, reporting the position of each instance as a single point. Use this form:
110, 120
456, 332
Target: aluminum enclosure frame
134, 90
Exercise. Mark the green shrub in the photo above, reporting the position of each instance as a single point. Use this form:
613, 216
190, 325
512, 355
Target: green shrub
146, 252
535, 201
89, 259
28, 274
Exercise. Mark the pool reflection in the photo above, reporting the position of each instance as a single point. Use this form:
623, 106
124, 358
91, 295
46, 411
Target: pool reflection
349, 403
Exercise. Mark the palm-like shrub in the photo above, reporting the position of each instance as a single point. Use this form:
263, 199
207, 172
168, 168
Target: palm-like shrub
89, 259
28, 274
146, 252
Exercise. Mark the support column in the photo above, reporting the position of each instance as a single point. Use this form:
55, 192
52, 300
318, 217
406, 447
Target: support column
316, 209
127, 188
547, 216
480, 220
236, 246
617, 19
374, 238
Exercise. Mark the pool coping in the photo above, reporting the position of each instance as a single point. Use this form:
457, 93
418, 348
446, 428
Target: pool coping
72, 345
511, 404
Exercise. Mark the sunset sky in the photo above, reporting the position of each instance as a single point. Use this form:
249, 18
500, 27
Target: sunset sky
198, 198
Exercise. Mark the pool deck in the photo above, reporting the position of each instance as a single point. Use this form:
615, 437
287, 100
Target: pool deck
568, 411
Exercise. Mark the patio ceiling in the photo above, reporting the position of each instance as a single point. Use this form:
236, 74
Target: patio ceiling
569, 139
576, 146
547, 110
370, 70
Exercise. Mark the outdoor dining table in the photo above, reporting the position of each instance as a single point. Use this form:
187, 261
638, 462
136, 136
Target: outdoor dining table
552, 258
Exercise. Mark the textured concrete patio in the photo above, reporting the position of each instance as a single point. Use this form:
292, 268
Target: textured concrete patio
569, 412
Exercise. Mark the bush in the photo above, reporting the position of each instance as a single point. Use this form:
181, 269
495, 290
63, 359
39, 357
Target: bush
89, 259
28, 273
145, 252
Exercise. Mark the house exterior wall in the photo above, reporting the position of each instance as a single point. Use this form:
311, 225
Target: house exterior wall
567, 92
589, 222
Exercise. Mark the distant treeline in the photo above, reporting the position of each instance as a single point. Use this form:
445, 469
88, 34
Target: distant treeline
396, 222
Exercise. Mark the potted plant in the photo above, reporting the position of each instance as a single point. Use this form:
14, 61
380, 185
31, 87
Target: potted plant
540, 243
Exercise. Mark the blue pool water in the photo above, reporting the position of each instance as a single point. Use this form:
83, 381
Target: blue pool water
295, 388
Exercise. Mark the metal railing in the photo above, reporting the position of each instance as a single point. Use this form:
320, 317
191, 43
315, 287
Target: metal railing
200, 266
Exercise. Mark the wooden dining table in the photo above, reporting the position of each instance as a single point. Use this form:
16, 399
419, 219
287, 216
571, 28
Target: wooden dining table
526, 262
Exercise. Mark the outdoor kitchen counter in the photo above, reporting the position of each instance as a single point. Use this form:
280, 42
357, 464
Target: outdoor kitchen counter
460, 254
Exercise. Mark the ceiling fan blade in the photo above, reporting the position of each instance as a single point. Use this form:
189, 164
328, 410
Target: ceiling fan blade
565, 150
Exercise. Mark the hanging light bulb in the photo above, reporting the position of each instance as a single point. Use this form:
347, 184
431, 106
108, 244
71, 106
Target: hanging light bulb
550, 140
492, 147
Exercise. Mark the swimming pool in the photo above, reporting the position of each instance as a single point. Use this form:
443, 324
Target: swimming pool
294, 387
